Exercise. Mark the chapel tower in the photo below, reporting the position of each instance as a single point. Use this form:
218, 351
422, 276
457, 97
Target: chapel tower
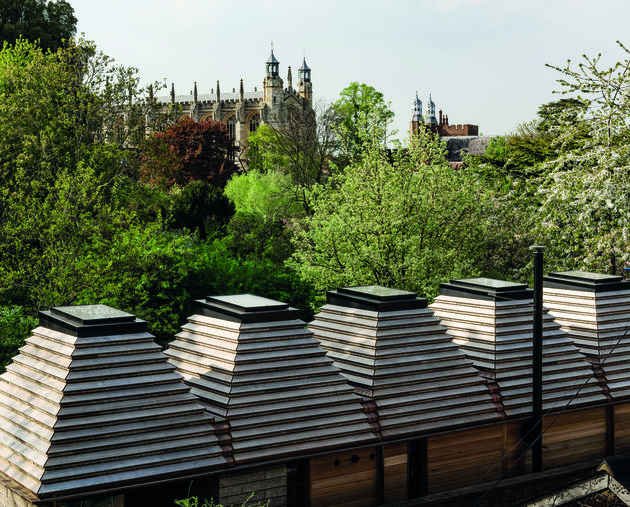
304, 86
272, 84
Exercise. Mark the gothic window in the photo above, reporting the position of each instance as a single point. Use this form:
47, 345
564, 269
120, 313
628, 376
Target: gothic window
230, 121
254, 122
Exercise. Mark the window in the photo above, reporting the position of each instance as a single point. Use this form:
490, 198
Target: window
254, 122
230, 121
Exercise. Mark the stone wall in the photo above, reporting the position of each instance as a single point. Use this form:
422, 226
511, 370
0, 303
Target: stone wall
270, 484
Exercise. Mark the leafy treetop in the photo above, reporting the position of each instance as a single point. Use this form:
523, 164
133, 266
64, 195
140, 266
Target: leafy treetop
189, 151
49, 23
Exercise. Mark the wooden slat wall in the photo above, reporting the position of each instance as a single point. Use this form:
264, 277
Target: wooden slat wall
513, 449
575, 437
348, 484
462, 458
395, 472
622, 428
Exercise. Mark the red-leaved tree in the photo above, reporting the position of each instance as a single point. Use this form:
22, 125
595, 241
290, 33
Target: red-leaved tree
189, 151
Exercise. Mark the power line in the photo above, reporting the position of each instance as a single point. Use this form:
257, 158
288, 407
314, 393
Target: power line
601, 363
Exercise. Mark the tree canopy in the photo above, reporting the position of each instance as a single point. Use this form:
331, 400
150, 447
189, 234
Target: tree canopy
360, 107
189, 151
404, 220
48, 23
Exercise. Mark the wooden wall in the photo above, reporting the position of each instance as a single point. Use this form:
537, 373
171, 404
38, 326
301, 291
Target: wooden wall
621, 421
462, 458
395, 472
574, 437
342, 480
465, 457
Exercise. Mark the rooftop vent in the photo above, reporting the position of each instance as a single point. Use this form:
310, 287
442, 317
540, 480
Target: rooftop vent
253, 363
486, 289
91, 404
391, 348
491, 321
594, 309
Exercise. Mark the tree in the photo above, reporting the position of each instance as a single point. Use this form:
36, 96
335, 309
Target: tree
584, 211
60, 109
49, 24
358, 108
189, 151
201, 207
302, 148
405, 220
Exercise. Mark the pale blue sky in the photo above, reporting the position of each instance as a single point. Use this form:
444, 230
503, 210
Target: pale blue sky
482, 60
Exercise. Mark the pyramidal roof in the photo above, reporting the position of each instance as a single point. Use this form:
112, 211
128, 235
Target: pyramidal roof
492, 322
593, 308
252, 362
393, 350
91, 401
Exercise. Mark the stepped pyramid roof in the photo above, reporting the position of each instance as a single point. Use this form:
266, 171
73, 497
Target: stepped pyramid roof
252, 362
492, 322
594, 308
91, 402
395, 352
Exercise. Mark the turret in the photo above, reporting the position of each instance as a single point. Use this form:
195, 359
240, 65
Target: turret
304, 86
272, 85
430, 117
416, 115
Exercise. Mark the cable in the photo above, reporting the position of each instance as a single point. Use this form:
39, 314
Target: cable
601, 363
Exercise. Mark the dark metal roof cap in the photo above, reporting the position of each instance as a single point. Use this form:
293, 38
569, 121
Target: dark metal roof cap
91, 320
272, 58
487, 289
585, 281
245, 308
375, 298
304, 66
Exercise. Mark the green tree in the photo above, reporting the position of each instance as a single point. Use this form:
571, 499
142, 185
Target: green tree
405, 220
583, 214
360, 107
302, 149
49, 24
201, 207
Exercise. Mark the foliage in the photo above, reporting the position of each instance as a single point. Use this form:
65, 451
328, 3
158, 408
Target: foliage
49, 24
360, 107
405, 220
201, 207
267, 195
15, 327
193, 501
583, 210
302, 149
57, 110
189, 151
48, 244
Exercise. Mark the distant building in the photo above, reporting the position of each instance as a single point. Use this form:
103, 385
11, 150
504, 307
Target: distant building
243, 111
460, 139
437, 125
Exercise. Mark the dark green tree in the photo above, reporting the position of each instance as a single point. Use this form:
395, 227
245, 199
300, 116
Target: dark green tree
48, 23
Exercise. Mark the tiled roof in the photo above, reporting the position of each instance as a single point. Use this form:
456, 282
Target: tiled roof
91, 402
393, 350
251, 361
496, 334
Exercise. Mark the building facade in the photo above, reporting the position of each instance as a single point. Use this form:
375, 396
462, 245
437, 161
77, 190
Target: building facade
438, 125
244, 111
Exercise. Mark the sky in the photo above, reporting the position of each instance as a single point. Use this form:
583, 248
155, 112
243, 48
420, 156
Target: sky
482, 61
